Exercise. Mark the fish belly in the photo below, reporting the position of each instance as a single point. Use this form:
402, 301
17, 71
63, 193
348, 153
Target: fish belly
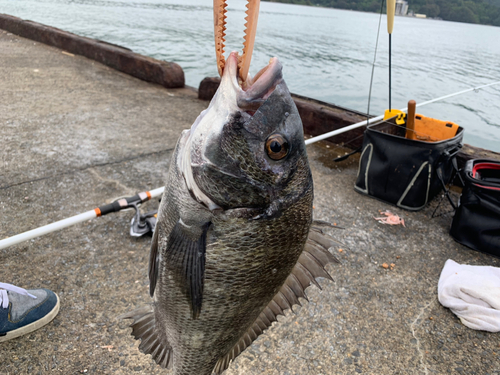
247, 262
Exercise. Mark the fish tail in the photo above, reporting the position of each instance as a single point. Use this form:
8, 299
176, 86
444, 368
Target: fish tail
144, 329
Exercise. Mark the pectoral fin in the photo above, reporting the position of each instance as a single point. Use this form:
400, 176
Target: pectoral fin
185, 254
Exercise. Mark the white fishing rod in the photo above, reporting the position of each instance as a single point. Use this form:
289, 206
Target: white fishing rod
378, 118
137, 199
118, 205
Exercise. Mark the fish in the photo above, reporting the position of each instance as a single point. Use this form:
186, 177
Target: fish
235, 243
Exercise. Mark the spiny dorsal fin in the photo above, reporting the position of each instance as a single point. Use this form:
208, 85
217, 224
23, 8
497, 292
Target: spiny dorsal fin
310, 266
143, 328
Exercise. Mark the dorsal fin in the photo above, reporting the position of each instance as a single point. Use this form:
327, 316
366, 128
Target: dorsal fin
310, 266
143, 328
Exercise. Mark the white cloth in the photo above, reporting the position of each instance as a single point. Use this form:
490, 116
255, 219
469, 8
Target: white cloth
472, 293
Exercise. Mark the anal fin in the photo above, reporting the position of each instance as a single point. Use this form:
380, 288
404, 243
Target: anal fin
143, 328
309, 267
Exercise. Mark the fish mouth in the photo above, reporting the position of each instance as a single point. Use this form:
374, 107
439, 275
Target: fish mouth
233, 96
253, 92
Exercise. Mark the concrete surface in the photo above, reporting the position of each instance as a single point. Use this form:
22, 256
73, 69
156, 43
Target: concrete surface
74, 134
165, 73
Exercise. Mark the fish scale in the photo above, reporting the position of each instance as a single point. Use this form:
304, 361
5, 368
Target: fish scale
238, 299
236, 246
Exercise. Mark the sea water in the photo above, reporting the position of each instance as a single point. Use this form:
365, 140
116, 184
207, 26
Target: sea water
327, 54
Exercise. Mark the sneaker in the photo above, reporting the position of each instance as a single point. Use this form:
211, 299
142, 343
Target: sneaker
24, 311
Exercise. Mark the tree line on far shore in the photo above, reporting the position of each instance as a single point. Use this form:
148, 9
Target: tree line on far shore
486, 12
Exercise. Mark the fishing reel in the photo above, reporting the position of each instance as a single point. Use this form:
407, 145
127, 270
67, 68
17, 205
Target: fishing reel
142, 224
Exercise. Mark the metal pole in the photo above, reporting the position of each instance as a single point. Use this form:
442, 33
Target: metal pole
390, 44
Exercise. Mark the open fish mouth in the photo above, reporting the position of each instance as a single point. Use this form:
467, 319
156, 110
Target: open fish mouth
237, 99
254, 91
233, 98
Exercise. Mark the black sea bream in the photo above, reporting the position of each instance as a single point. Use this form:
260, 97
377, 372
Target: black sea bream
235, 243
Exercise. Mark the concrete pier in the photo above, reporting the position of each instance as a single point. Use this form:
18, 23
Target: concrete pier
75, 134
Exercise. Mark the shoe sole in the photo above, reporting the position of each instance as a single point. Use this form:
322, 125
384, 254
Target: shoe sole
33, 326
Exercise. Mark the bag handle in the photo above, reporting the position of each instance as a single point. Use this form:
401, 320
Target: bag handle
447, 155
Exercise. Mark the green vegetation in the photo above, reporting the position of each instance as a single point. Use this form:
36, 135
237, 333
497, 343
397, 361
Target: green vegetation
485, 12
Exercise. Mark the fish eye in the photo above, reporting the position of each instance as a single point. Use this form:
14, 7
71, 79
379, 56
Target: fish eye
277, 147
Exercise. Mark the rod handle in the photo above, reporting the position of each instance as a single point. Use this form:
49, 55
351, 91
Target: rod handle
410, 120
391, 10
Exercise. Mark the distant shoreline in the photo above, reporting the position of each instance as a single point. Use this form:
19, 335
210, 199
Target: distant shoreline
481, 13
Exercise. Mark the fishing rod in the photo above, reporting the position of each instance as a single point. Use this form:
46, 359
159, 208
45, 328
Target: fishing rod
391, 10
375, 58
378, 118
118, 205
140, 224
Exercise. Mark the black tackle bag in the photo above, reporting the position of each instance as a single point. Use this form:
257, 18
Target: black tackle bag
476, 223
402, 171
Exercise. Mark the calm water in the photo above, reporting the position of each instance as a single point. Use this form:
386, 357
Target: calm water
326, 53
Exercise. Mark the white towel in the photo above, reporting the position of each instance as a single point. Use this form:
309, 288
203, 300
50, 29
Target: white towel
472, 293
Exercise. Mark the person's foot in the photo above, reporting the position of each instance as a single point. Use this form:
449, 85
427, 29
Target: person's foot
24, 311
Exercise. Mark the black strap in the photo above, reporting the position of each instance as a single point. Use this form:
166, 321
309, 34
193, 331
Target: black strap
449, 155
446, 190
343, 157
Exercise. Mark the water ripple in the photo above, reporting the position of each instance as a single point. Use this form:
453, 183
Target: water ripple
326, 53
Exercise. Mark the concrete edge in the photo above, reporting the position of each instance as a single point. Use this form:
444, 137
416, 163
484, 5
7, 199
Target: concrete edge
167, 74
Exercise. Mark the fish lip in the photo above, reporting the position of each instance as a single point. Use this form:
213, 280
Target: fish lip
264, 82
254, 91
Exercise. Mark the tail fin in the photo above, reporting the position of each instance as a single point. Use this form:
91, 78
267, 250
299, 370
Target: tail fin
143, 328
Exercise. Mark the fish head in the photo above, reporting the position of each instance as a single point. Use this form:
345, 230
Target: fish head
246, 150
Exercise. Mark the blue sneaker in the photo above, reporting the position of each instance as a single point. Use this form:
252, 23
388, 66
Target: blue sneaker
24, 311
